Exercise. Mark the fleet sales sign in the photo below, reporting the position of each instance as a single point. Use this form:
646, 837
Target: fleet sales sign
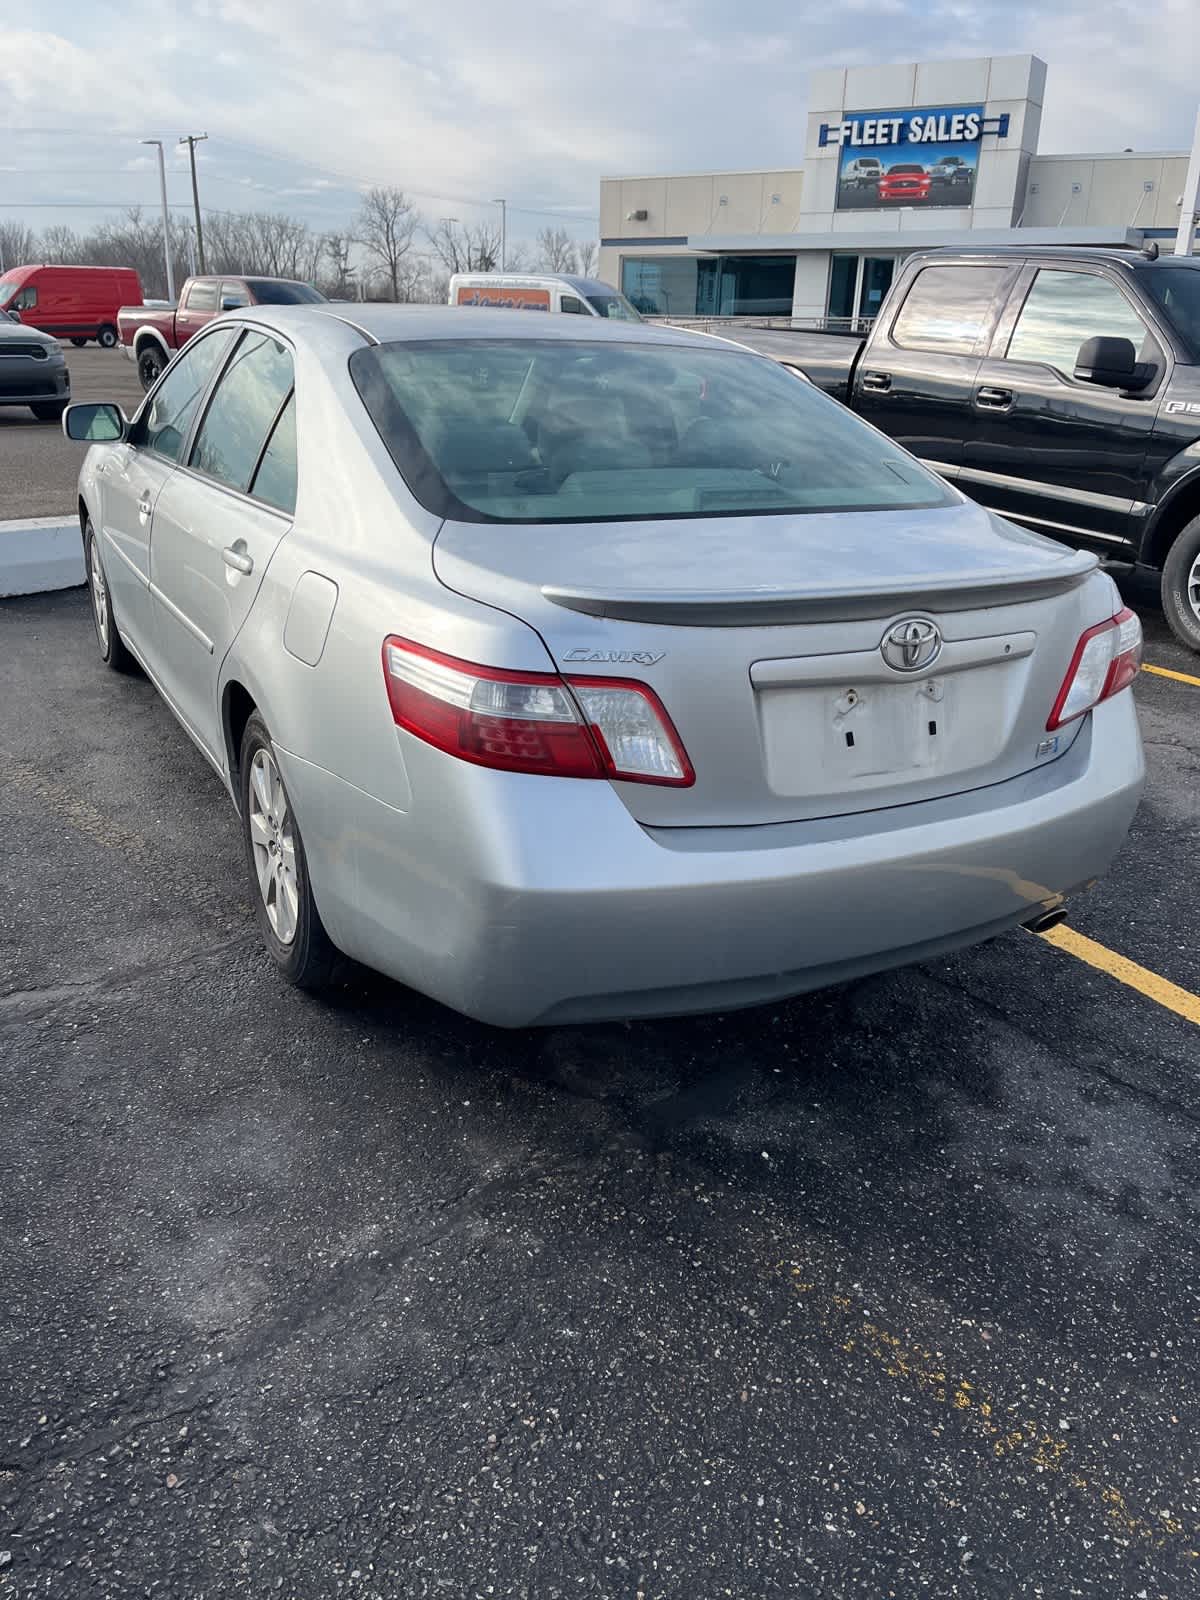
927, 157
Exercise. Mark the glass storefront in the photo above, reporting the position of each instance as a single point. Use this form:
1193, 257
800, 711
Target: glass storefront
709, 286
858, 284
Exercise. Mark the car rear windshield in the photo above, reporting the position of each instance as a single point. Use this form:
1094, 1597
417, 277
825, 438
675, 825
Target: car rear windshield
1176, 289
528, 430
271, 292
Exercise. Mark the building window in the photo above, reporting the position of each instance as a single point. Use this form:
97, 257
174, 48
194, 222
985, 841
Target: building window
709, 286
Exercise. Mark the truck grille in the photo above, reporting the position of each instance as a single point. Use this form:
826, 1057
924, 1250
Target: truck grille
38, 352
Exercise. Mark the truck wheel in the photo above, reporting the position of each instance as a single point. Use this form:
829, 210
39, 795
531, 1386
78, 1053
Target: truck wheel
150, 363
106, 338
1181, 586
79, 343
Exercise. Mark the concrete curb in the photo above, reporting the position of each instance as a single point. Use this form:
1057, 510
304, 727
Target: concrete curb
40, 553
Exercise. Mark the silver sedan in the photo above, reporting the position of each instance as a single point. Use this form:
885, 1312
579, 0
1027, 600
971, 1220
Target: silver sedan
581, 672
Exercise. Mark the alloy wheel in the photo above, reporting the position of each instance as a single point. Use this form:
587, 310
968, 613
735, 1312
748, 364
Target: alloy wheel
1192, 589
99, 594
273, 845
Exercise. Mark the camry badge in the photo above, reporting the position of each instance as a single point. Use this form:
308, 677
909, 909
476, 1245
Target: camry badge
643, 658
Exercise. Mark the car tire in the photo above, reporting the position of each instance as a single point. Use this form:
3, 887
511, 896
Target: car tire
79, 343
1181, 586
277, 867
49, 410
106, 337
150, 363
112, 647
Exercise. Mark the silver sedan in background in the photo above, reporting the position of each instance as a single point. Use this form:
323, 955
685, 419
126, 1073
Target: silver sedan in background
598, 671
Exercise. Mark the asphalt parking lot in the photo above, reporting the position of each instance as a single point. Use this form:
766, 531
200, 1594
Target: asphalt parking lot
38, 467
890, 1291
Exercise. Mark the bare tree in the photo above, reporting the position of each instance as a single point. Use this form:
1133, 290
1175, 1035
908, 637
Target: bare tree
18, 245
339, 281
556, 250
587, 253
466, 249
387, 221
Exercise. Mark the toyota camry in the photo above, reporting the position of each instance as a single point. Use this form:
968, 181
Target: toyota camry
598, 672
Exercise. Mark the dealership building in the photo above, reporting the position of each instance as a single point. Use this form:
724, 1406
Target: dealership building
897, 159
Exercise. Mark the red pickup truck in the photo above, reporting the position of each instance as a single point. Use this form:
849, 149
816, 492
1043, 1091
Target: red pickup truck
151, 336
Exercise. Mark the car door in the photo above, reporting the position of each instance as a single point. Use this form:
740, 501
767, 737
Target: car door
217, 523
198, 309
917, 375
132, 479
1064, 456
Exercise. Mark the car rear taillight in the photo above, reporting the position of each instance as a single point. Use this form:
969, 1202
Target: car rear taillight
533, 721
1106, 660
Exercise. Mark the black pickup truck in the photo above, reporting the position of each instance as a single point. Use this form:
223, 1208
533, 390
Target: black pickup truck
1059, 387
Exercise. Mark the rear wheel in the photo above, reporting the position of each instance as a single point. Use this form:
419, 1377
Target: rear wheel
287, 914
106, 337
1181, 586
79, 343
112, 650
49, 410
150, 363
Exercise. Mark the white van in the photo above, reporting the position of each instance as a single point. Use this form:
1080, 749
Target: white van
525, 291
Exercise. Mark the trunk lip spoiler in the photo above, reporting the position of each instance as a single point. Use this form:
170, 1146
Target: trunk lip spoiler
772, 604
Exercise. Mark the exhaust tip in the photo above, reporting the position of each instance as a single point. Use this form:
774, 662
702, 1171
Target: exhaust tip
1045, 920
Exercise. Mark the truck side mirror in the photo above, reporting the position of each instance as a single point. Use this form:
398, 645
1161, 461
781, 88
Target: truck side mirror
1111, 363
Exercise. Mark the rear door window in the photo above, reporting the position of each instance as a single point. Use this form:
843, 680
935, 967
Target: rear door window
172, 407
243, 410
202, 297
949, 309
274, 483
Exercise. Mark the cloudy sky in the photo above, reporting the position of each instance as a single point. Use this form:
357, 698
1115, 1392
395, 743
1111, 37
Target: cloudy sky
531, 99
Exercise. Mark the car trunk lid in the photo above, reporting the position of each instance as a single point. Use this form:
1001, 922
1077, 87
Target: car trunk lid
763, 638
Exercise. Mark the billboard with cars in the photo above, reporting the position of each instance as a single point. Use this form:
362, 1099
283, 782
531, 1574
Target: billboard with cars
926, 157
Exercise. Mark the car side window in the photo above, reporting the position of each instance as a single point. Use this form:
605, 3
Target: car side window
168, 416
243, 409
568, 302
234, 294
202, 297
949, 309
1064, 309
275, 481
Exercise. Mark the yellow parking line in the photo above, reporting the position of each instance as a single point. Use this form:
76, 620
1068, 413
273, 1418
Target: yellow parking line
1165, 672
1181, 1001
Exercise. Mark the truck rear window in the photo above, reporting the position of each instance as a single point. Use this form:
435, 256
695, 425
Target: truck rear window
569, 431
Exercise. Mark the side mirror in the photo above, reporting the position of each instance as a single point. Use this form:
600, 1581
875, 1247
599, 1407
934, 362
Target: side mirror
15, 315
89, 422
1112, 364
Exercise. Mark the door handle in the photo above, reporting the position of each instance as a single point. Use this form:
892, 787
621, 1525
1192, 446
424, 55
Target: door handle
993, 399
877, 382
145, 505
238, 560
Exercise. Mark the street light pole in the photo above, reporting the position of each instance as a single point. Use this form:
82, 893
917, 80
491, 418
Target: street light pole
192, 140
162, 186
1190, 203
503, 204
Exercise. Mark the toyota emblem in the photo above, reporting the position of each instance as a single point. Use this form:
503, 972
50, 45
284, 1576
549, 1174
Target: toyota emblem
912, 644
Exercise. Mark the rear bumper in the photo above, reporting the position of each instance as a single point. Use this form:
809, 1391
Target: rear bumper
517, 905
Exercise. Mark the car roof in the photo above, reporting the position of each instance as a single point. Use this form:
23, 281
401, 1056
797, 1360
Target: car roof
387, 324
1132, 258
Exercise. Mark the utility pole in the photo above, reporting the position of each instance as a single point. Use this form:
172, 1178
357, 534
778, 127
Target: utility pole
162, 187
1190, 203
503, 204
192, 140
